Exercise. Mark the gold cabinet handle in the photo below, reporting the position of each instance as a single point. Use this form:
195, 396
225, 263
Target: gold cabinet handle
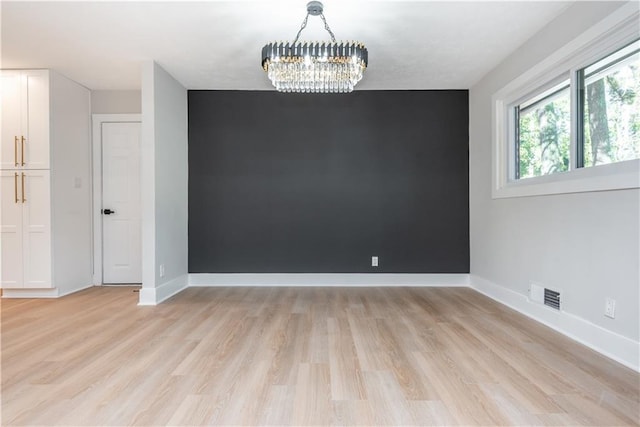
24, 199
15, 187
23, 141
15, 151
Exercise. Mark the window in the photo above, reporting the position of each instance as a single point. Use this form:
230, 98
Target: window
571, 122
543, 126
607, 123
610, 103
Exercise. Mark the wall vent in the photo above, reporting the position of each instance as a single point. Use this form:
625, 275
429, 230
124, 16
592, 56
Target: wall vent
541, 295
552, 298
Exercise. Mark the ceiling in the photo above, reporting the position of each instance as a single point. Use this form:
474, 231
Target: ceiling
216, 45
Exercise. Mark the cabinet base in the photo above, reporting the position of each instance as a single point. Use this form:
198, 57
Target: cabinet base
39, 293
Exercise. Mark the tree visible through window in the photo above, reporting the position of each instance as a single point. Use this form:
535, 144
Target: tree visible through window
544, 134
611, 108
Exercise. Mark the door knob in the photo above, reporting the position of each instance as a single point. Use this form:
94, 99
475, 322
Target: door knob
108, 211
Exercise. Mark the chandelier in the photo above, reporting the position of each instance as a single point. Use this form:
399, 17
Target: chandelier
321, 67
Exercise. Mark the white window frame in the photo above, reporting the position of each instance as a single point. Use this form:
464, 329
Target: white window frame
612, 33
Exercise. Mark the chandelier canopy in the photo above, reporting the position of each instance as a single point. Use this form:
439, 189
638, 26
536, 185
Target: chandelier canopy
321, 67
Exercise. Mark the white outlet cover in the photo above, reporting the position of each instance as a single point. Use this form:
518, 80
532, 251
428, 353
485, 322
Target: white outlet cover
374, 261
536, 293
610, 308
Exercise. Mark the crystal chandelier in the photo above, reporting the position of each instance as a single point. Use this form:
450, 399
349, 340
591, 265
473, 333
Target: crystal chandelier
325, 67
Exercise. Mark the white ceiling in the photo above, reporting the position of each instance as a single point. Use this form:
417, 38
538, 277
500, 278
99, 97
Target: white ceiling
216, 45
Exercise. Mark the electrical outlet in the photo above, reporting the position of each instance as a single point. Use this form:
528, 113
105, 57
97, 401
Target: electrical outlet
161, 270
610, 308
374, 261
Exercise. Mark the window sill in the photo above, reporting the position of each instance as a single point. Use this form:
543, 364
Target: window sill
615, 176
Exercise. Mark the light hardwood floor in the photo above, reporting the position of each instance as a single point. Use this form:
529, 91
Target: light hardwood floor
300, 356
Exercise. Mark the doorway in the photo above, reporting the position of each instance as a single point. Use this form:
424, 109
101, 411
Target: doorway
117, 214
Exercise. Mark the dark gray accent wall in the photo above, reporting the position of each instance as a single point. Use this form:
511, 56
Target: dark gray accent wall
304, 183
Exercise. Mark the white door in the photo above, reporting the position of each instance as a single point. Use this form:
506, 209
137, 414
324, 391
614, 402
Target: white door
26, 229
121, 229
11, 229
11, 125
34, 144
36, 228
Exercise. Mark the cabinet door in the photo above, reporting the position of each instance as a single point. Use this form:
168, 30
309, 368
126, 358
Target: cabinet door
36, 229
35, 119
11, 120
11, 248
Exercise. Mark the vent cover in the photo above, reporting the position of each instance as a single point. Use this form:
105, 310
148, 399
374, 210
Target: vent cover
536, 293
552, 298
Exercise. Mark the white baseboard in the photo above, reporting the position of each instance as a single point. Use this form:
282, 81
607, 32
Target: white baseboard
73, 291
326, 279
154, 296
610, 344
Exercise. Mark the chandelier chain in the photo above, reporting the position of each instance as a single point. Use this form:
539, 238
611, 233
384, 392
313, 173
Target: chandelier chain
304, 25
326, 27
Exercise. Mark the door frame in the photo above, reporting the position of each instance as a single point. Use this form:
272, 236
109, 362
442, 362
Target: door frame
96, 166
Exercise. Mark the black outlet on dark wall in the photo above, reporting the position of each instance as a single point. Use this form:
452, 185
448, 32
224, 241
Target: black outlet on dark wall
308, 183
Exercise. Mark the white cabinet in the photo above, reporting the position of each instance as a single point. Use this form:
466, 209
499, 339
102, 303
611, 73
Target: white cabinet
25, 120
25, 229
45, 217
25, 220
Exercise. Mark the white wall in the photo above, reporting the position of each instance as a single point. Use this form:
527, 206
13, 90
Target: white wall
164, 184
116, 101
586, 244
71, 184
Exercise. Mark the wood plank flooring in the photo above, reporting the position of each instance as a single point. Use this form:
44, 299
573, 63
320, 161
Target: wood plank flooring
300, 356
